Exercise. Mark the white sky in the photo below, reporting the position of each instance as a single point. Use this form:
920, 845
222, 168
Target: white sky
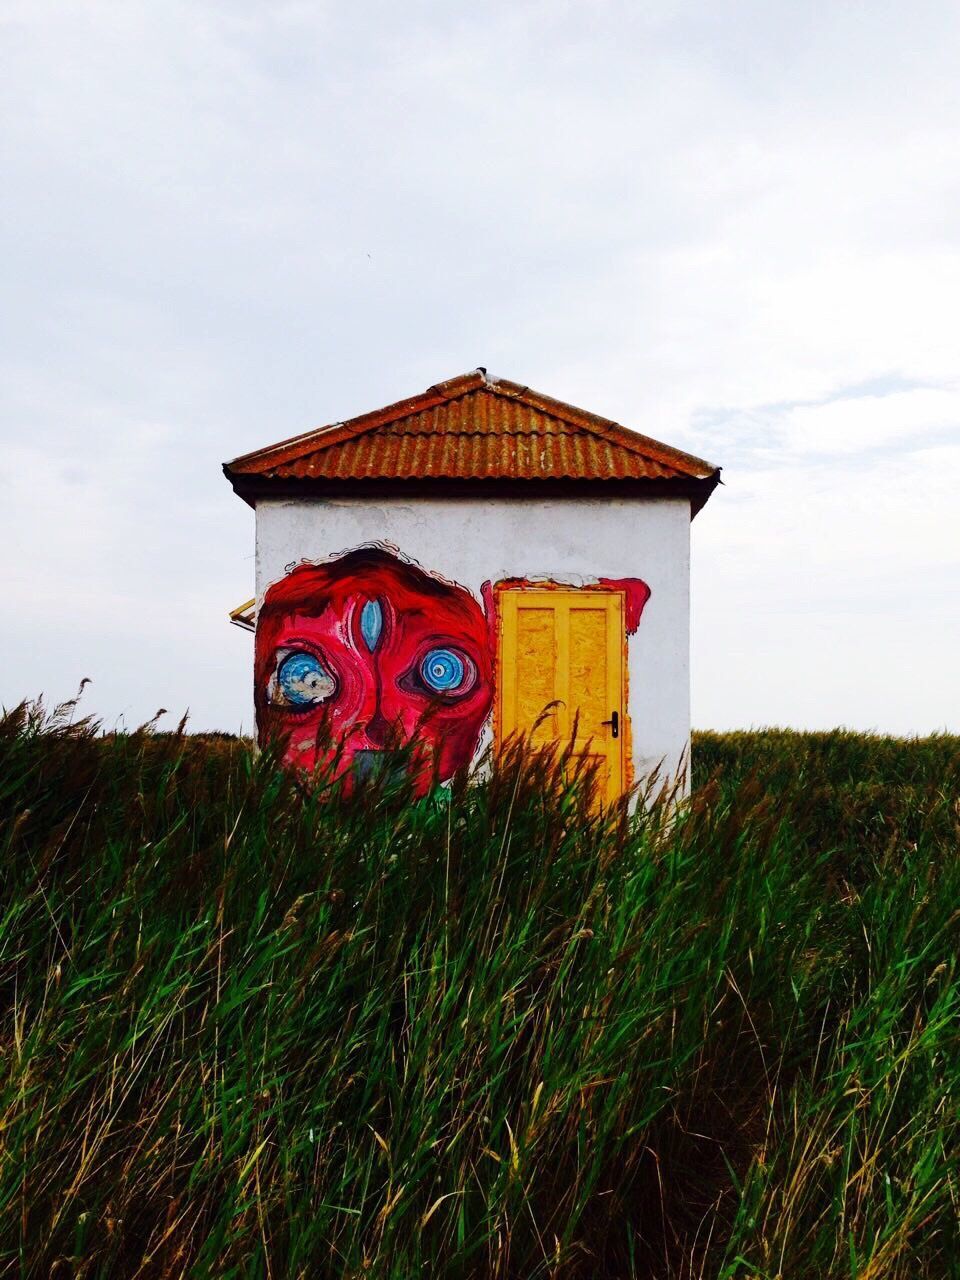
735, 226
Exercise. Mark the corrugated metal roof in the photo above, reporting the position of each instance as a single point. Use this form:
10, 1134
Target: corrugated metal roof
472, 428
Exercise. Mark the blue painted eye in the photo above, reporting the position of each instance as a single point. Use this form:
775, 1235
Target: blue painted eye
443, 670
303, 681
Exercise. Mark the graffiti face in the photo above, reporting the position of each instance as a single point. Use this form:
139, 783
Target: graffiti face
369, 652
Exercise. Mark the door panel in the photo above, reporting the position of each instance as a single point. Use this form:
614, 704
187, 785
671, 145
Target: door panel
589, 678
535, 668
565, 646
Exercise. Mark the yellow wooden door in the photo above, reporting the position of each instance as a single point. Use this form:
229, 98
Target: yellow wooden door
567, 647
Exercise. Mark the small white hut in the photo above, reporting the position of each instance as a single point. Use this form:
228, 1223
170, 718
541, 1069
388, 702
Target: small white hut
476, 561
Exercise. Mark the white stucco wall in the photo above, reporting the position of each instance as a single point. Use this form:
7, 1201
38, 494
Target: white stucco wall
474, 540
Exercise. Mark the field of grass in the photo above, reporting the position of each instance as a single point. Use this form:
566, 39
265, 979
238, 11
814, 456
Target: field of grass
247, 1033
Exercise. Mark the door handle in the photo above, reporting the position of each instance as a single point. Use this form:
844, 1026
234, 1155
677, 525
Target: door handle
614, 723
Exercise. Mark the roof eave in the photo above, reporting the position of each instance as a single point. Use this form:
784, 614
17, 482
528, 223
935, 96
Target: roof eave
252, 487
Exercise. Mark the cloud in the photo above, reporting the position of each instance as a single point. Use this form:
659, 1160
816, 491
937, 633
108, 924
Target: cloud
856, 425
735, 227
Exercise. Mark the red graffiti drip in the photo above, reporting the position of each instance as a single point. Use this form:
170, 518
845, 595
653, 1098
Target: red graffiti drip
636, 594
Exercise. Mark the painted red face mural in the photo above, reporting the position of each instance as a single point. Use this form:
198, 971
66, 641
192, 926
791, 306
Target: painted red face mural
370, 652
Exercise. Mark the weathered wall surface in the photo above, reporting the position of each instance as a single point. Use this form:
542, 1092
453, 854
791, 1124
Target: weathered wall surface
473, 541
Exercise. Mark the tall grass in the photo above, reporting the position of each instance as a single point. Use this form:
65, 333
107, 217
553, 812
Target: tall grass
251, 1032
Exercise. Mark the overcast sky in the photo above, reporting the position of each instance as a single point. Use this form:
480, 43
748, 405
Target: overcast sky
734, 226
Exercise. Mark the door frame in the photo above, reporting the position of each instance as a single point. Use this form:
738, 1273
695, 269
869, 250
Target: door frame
513, 586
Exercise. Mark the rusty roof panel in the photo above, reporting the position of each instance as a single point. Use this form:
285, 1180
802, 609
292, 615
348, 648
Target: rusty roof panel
473, 428
517, 455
